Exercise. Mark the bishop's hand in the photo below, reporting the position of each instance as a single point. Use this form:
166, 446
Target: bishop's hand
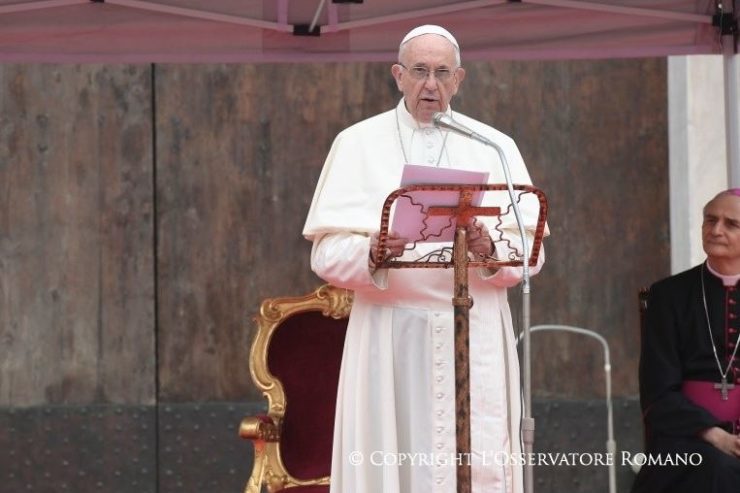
726, 442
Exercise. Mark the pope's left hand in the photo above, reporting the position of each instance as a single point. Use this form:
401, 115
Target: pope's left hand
480, 243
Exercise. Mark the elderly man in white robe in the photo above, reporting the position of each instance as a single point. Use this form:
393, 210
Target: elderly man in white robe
397, 385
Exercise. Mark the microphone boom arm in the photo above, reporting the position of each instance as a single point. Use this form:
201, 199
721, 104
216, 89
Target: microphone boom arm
442, 120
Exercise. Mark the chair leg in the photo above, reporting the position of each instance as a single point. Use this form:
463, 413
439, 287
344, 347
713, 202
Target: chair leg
254, 485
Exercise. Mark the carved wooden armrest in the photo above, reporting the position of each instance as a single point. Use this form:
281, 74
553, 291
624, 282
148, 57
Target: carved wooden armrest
264, 432
262, 428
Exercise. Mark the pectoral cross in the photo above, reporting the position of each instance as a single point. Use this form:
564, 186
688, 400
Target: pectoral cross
724, 387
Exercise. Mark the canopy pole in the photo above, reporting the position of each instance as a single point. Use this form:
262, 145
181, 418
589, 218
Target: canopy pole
316, 15
732, 119
732, 99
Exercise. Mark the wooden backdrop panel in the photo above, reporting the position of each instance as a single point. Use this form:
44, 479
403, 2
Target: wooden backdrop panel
235, 152
597, 142
239, 151
240, 148
594, 137
76, 263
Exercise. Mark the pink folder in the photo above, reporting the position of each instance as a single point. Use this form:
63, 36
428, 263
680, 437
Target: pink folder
409, 217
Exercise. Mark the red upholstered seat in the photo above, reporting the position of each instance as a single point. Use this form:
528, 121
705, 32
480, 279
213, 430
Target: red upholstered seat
295, 361
305, 355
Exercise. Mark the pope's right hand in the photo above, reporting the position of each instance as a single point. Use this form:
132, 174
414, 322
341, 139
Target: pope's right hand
394, 246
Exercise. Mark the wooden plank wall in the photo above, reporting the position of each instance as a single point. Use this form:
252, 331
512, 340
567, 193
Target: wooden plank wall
232, 154
594, 136
238, 161
76, 229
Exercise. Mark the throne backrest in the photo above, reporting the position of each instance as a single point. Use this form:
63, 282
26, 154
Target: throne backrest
295, 361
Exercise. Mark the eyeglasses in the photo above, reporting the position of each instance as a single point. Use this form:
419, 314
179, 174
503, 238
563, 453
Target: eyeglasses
422, 73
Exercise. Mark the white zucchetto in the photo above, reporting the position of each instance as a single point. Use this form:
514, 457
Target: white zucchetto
431, 29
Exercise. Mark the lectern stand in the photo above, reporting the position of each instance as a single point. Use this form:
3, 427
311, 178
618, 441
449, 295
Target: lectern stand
461, 214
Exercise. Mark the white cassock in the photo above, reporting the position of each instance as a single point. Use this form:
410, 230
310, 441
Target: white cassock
397, 384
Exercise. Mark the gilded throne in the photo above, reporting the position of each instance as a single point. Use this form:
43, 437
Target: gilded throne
295, 360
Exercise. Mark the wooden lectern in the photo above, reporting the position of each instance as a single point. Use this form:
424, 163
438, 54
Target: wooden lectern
461, 214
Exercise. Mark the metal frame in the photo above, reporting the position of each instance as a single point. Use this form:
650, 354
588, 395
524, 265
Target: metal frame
611, 444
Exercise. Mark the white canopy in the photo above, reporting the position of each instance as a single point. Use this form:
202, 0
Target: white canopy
130, 31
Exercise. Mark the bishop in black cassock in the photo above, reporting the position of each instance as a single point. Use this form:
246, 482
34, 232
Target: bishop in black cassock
686, 407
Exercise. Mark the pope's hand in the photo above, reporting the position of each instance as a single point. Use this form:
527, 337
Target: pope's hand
479, 240
394, 246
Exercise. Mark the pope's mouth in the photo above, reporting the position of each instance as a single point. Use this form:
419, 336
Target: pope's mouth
429, 100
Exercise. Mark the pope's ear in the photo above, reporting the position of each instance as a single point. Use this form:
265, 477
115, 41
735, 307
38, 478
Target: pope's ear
460, 74
396, 71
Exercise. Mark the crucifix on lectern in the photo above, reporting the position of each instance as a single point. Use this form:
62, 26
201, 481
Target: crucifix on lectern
464, 211
462, 216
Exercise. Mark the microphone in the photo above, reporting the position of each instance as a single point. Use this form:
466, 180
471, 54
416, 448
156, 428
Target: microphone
443, 120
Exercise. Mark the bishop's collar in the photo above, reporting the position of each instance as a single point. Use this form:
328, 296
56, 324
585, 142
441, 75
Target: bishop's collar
727, 281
